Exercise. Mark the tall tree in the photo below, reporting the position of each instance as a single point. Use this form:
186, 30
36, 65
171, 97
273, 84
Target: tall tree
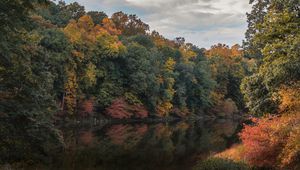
280, 65
254, 18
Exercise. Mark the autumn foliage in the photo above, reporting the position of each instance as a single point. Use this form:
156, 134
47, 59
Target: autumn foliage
121, 109
223, 50
273, 142
86, 107
119, 134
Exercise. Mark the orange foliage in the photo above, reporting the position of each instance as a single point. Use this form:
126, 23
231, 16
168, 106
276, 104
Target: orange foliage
86, 107
223, 50
110, 27
290, 157
290, 98
160, 41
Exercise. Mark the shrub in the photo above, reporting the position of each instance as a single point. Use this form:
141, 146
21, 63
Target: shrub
121, 109
118, 109
273, 142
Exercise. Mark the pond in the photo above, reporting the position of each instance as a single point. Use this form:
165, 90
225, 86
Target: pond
160, 146
129, 146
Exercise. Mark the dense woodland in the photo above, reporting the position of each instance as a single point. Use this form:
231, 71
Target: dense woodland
61, 62
74, 63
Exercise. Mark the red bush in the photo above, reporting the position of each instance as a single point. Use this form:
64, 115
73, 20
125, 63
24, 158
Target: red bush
86, 108
265, 142
120, 109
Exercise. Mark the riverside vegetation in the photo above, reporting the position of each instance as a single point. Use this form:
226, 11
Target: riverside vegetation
60, 63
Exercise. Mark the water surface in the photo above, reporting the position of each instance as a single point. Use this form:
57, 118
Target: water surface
160, 146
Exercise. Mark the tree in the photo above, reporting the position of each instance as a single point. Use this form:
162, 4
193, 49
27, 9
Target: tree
61, 13
129, 24
254, 18
97, 16
280, 65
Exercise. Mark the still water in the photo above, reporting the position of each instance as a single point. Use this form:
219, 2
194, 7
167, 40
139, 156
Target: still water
160, 146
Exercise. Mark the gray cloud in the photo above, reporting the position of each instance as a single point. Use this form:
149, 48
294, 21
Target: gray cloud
202, 22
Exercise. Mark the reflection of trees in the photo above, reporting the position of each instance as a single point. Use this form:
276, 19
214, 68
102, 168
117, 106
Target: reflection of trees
141, 146
126, 134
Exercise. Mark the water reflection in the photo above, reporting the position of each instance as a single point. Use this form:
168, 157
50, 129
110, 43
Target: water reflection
143, 146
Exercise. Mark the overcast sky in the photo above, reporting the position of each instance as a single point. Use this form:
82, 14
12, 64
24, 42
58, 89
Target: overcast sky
201, 22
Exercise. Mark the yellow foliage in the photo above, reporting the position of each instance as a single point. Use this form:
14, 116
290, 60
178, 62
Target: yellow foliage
90, 74
187, 54
72, 31
164, 108
109, 25
235, 153
85, 22
84, 31
70, 91
170, 63
290, 98
224, 51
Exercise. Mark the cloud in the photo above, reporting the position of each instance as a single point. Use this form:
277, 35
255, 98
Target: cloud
202, 22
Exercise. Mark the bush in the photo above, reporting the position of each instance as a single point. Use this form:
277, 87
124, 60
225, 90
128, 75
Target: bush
220, 164
121, 109
273, 142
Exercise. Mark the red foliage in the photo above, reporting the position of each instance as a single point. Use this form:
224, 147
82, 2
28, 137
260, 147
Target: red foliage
131, 135
86, 108
140, 111
141, 130
260, 150
265, 141
119, 133
120, 109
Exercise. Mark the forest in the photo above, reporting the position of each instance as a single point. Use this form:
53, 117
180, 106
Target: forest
61, 64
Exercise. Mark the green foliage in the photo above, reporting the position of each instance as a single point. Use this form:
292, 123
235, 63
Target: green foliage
97, 16
279, 38
69, 56
254, 18
28, 140
220, 164
61, 13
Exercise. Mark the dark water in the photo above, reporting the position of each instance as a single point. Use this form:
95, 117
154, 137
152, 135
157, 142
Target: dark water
143, 146
160, 146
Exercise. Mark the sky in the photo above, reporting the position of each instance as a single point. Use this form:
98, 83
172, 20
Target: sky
201, 22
